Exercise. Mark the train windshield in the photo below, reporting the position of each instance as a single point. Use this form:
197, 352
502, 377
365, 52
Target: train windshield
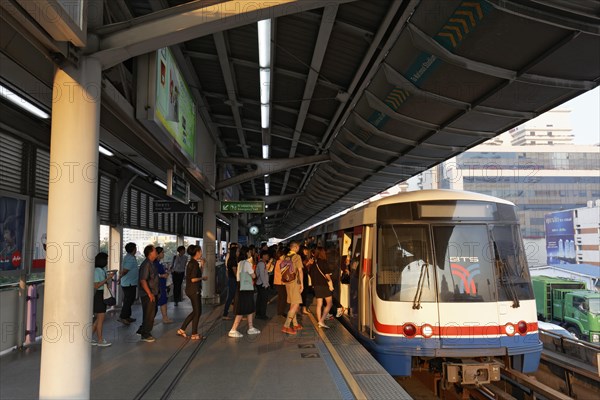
465, 270
510, 264
405, 271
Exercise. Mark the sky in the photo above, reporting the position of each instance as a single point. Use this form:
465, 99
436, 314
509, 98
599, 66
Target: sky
585, 117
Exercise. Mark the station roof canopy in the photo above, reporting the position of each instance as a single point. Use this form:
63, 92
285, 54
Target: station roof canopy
363, 94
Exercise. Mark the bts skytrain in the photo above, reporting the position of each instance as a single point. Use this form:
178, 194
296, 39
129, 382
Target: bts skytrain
438, 279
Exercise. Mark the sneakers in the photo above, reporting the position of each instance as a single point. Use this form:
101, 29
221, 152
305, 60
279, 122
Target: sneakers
125, 321
298, 327
329, 317
323, 326
148, 339
236, 334
340, 312
94, 342
253, 331
103, 343
289, 330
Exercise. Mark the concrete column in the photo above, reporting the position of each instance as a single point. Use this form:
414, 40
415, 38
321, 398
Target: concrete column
209, 222
233, 235
72, 232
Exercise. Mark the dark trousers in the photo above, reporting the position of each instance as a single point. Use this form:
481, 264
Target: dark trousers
194, 316
177, 282
231, 289
261, 301
128, 299
281, 300
149, 309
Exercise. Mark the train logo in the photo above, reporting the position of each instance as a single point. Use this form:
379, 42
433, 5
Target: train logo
466, 276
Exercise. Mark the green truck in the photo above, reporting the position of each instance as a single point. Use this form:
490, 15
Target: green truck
568, 303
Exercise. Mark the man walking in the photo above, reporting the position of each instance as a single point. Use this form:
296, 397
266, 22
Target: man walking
148, 292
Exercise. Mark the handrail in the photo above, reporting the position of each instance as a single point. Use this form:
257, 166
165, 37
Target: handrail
371, 307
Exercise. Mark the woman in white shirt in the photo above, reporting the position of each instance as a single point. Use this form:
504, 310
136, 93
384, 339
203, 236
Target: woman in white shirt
244, 298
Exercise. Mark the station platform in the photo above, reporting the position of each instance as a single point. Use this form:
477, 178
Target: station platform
314, 364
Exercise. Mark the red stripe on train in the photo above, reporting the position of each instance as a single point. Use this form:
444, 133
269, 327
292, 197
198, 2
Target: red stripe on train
455, 331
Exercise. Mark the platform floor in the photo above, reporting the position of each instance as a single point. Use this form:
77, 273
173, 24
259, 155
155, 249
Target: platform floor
315, 364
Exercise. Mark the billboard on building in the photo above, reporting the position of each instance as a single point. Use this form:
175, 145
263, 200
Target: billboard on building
560, 238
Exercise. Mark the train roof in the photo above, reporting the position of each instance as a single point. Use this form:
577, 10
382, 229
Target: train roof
436, 194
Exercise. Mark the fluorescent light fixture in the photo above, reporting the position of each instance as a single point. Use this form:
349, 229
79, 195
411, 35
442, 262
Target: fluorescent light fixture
105, 151
265, 85
135, 169
160, 184
264, 43
265, 151
266, 206
21, 102
265, 111
266, 188
222, 221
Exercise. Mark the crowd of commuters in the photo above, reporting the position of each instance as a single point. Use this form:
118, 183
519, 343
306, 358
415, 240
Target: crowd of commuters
250, 271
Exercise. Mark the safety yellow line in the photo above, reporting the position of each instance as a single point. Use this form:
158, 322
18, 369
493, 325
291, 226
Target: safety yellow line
352, 384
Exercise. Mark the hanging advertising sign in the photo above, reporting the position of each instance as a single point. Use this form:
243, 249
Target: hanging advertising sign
40, 224
13, 212
165, 103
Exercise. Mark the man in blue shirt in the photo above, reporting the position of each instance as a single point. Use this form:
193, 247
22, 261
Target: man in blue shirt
129, 280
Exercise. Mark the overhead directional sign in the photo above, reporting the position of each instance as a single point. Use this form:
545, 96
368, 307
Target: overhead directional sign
175, 207
177, 187
242, 207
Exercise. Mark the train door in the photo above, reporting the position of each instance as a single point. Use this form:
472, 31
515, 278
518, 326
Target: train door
467, 305
345, 242
365, 273
354, 267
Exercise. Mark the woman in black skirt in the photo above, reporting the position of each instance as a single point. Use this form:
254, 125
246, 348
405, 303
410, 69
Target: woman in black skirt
244, 297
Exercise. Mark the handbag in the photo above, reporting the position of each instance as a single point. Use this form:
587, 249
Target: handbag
246, 281
329, 282
108, 297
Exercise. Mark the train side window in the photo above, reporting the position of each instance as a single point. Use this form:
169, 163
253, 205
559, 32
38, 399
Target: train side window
405, 271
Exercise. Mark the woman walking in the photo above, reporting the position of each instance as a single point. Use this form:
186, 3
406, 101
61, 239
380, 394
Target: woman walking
231, 261
163, 274
193, 285
244, 298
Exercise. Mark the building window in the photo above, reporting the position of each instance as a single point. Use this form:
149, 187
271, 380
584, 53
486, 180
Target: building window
531, 133
549, 133
549, 141
549, 126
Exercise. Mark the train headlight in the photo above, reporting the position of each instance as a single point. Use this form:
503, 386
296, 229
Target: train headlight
595, 337
509, 329
427, 331
522, 327
409, 330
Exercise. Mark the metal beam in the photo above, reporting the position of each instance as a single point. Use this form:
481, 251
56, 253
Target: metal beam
270, 166
327, 20
189, 21
254, 65
219, 39
275, 199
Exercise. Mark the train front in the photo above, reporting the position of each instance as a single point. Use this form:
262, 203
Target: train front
452, 290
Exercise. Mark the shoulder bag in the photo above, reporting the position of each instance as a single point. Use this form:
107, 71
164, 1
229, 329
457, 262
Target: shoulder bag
329, 282
246, 281
107, 296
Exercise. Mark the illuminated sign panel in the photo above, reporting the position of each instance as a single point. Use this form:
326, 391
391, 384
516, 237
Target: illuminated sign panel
165, 104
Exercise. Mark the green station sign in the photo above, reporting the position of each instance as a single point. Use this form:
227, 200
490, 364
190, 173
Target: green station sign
255, 207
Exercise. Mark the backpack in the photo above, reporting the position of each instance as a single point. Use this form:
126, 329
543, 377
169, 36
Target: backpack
288, 272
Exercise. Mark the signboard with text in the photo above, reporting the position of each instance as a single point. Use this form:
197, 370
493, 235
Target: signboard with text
177, 187
175, 207
253, 207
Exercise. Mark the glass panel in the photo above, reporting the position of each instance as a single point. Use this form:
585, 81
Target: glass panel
404, 267
514, 281
464, 267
